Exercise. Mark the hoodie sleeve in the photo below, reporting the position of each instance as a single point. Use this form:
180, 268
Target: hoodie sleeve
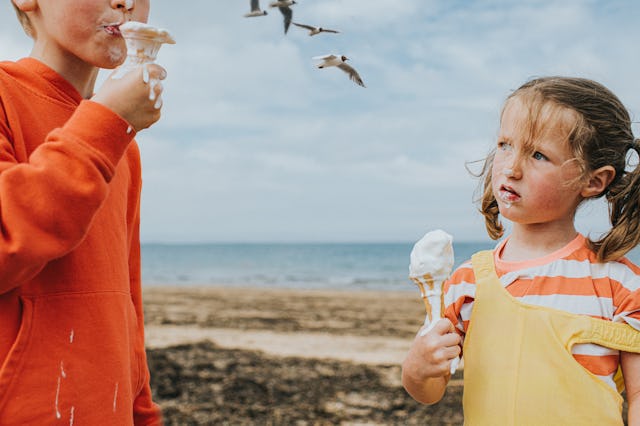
48, 202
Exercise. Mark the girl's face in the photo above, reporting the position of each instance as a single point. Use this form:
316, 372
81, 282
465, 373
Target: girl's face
83, 31
535, 182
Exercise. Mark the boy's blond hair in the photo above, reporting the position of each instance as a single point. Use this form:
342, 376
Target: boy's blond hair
24, 20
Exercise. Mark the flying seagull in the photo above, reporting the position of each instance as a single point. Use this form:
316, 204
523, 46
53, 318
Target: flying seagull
255, 10
340, 62
286, 11
315, 30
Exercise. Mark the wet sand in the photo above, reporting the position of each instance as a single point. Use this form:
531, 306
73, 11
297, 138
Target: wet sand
286, 357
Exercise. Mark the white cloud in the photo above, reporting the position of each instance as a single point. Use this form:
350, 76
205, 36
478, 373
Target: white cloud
362, 14
256, 143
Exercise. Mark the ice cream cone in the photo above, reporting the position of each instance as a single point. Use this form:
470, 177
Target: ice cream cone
432, 295
143, 43
431, 263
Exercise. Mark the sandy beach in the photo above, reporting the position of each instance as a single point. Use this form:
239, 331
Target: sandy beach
279, 357
286, 357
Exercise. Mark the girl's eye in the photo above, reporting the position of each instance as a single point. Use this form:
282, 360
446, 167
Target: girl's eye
539, 156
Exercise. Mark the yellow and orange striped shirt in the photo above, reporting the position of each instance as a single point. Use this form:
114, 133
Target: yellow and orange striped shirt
569, 279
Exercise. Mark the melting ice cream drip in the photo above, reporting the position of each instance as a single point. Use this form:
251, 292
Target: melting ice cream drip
505, 200
115, 397
58, 415
431, 264
62, 375
508, 173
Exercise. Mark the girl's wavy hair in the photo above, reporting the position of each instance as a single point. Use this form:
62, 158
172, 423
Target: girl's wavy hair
600, 136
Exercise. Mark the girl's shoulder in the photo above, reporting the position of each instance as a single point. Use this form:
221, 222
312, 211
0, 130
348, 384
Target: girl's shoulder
622, 269
573, 261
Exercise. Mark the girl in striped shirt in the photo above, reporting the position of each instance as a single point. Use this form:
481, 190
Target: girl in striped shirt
562, 141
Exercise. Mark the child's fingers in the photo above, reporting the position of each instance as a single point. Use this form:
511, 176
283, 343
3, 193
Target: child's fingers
442, 333
135, 96
443, 326
442, 359
451, 339
451, 352
153, 72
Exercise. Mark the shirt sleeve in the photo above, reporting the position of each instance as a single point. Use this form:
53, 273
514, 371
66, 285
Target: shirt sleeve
629, 309
459, 296
626, 295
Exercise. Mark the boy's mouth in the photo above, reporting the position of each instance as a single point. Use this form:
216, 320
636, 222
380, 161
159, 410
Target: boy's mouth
113, 29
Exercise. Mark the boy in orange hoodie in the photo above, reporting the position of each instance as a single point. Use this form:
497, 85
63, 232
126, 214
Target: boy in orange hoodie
71, 321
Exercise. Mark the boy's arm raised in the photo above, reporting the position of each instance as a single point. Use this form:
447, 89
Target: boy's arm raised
48, 202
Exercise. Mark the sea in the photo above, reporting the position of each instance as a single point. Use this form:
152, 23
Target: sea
374, 266
348, 266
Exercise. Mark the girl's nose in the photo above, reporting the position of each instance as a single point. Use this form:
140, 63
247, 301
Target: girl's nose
513, 170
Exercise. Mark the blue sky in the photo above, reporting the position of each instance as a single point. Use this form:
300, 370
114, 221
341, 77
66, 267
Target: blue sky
256, 144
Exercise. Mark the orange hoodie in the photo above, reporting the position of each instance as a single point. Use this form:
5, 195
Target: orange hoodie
71, 321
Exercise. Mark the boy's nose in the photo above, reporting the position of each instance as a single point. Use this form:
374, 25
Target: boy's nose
123, 4
136, 10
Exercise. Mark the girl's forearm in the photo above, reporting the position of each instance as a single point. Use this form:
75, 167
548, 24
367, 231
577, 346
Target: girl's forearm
631, 371
633, 412
426, 391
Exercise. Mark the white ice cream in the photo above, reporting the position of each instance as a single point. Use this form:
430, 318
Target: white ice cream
432, 255
134, 29
143, 42
431, 263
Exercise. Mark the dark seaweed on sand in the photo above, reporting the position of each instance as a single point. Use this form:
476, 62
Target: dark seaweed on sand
203, 384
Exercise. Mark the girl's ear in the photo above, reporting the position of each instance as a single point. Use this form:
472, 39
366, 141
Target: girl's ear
26, 5
598, 181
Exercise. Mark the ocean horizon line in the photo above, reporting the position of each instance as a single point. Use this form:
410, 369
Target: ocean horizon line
349, 265
301, 242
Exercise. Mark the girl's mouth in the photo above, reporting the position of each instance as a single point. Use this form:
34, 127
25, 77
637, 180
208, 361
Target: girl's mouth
508, 194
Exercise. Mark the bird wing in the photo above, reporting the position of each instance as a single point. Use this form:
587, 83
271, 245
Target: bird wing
353, 74
330, 31
286, 13
255, 5
309, 27
325, 57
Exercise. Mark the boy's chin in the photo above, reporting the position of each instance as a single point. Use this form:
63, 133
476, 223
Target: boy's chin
113, 57
110, 64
